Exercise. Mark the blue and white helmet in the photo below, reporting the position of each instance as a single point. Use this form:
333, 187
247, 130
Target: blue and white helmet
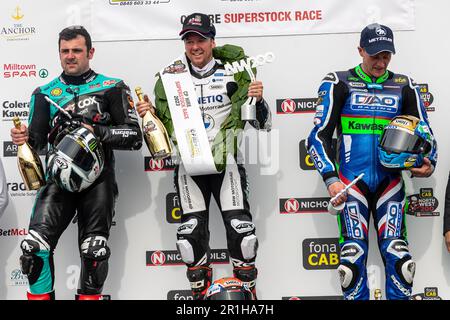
405, 141
76, 161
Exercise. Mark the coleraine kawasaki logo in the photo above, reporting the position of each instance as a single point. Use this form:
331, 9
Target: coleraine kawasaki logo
172, 257
422, 204
17, 29
11, 109
321, 253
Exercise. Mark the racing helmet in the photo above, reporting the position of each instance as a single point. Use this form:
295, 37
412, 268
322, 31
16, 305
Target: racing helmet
229, 288
76, 161
405, 141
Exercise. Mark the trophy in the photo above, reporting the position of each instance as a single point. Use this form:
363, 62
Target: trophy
248, 109
155, 134
29, 163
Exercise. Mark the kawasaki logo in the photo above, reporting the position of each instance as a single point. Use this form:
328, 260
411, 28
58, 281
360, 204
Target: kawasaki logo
369, 125
353, 125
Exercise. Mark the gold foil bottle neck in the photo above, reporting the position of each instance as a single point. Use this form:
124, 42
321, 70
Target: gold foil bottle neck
17, 122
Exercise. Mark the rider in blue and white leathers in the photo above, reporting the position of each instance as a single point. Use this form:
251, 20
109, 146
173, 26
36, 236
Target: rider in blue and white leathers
358, 103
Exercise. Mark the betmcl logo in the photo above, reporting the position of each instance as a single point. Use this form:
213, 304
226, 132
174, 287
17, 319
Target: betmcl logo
422, 204
321, 253
173, 258
173, 209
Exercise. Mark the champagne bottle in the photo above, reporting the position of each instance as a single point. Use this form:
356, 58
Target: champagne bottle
155, 134
29, 163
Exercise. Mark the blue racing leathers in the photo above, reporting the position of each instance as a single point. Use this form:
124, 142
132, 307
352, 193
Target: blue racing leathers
358, 107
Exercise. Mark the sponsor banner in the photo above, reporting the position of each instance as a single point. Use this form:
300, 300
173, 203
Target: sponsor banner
303, 205
167, 164
172, 257
302, 105
18, 189
180, 295
321, 253
173, 208
313, 298
17, 278
13, 232
13, 108
422, 204
252, 18
10, 150
17, 26
430, 293
427, 97
22, 71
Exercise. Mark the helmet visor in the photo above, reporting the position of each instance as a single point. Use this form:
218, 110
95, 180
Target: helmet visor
232, 295
75, 151
398, 141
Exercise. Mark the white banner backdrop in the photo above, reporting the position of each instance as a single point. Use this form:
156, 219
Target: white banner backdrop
141, 19
297, 252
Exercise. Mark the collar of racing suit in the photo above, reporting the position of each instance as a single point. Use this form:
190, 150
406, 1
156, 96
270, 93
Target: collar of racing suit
365, 77
204, 72
86, 77
205, 69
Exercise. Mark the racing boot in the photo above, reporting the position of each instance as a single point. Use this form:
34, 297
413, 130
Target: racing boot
200, 279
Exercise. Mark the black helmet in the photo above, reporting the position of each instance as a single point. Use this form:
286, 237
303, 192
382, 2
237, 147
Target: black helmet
229, 289
76, 161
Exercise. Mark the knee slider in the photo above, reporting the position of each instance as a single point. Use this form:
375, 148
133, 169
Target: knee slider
31, 264
348, 274
184, 232
245, 231
95, 253
406, 268
348, 268
95, 248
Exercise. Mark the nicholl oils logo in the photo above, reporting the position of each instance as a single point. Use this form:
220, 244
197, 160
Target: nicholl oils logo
18, 29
